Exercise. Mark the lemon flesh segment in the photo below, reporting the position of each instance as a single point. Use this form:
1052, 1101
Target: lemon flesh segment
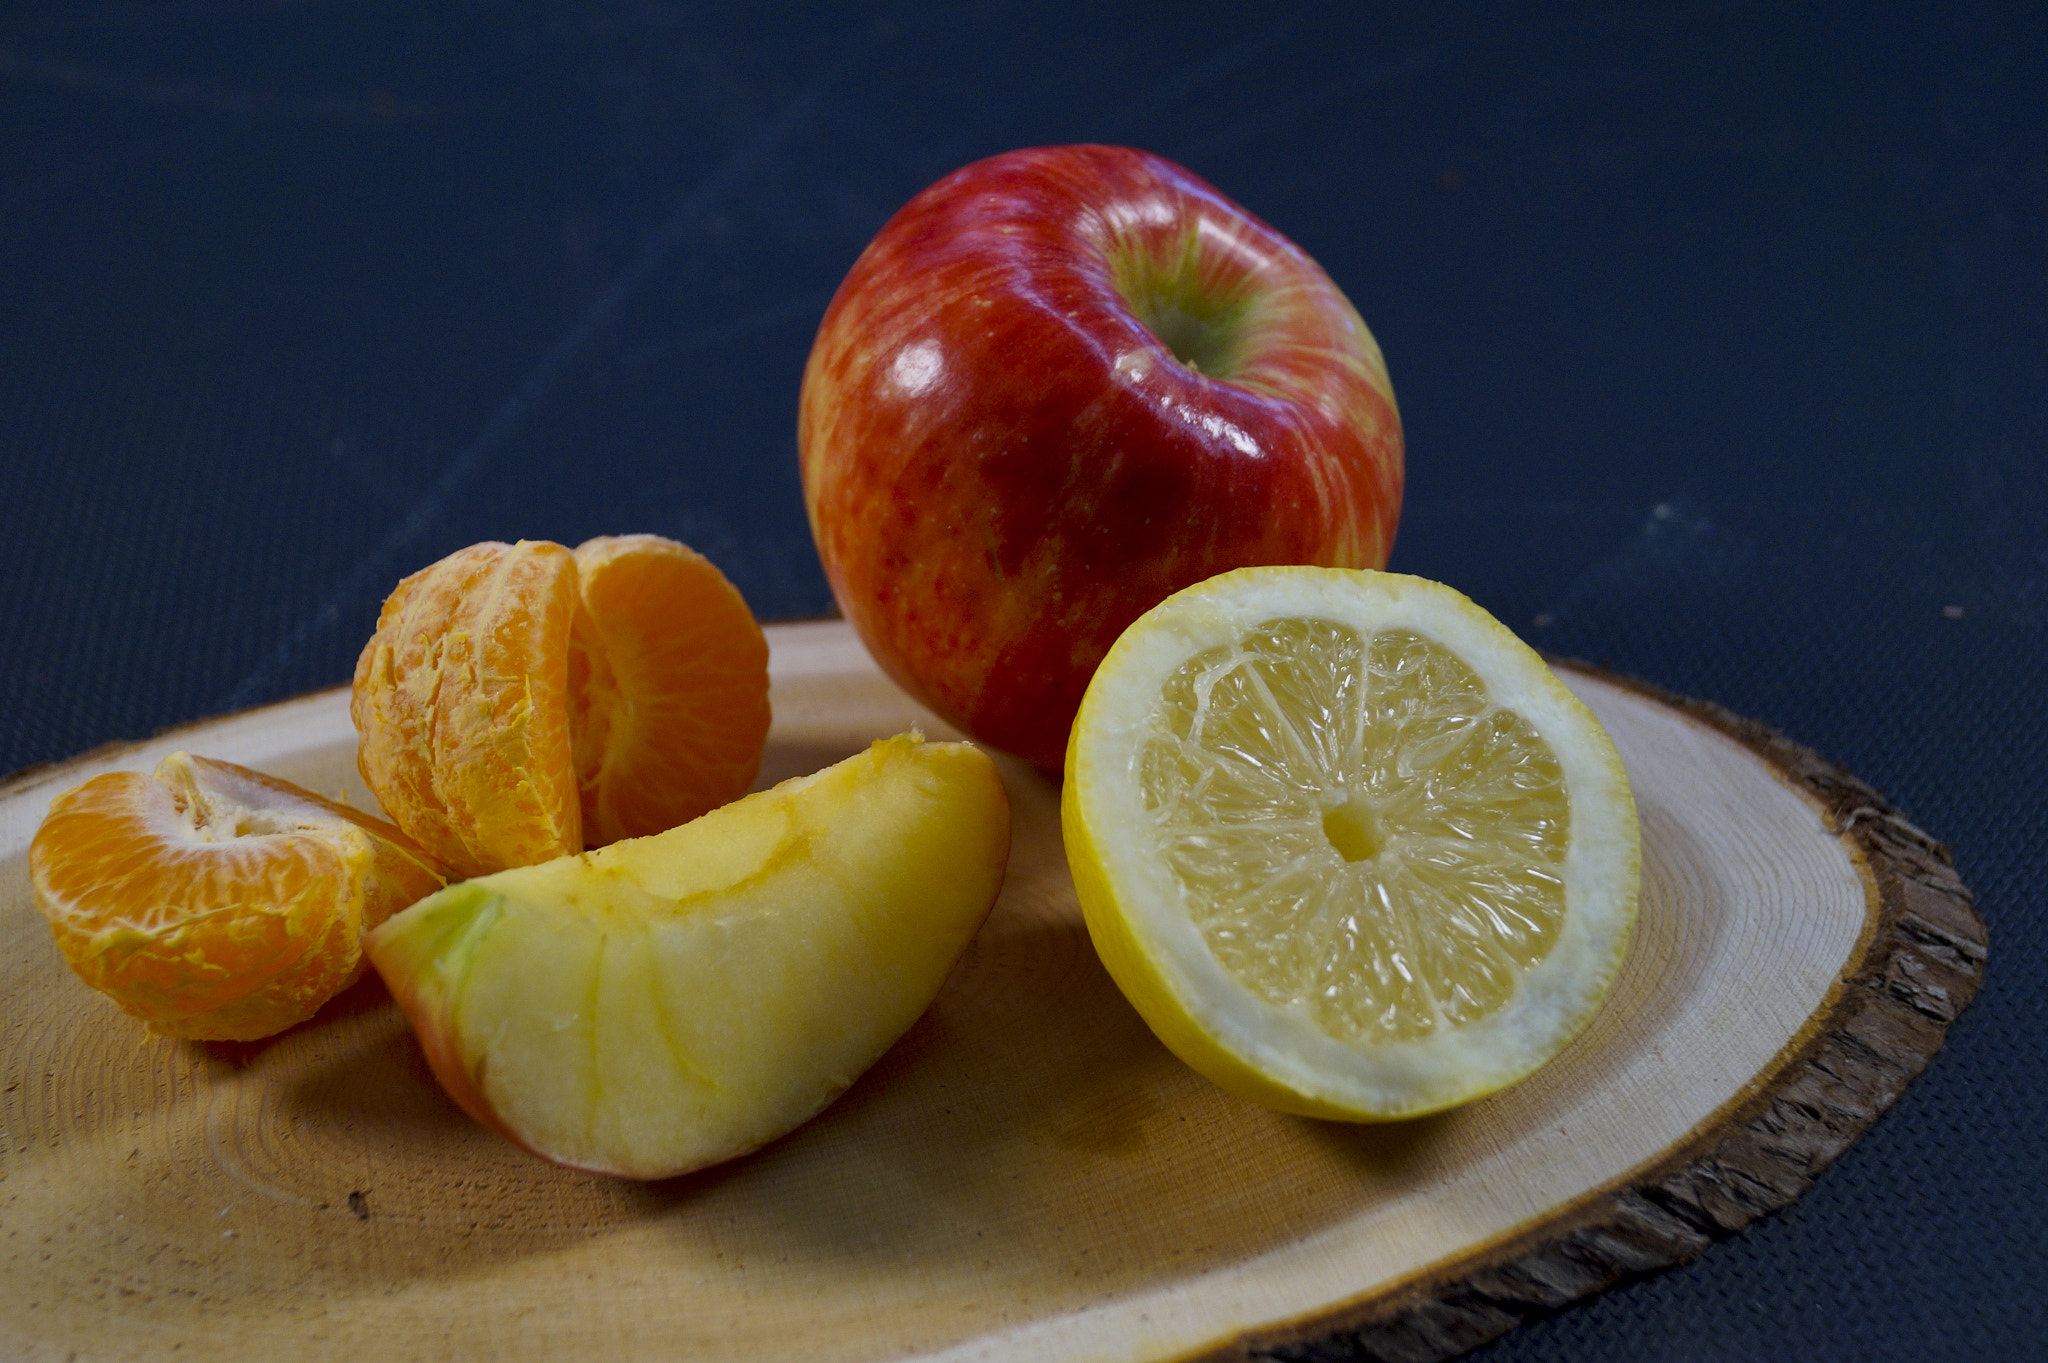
1346, 842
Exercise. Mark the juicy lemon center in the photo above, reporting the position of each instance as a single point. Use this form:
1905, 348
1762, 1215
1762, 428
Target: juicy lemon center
1357, 830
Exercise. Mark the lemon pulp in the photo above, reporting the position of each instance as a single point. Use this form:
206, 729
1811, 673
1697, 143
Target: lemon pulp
1359, 833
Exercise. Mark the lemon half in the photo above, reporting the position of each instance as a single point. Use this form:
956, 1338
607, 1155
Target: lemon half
1346, 843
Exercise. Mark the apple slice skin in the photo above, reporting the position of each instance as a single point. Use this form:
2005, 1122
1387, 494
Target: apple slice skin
1005, 462
670, 1002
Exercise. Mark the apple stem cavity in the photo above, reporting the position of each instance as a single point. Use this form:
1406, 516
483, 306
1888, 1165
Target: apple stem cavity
1201, 323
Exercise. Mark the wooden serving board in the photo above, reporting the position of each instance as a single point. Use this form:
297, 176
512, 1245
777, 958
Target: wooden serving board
1027, 1174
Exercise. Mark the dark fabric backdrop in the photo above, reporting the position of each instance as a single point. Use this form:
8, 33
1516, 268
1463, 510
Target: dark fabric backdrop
1720, 333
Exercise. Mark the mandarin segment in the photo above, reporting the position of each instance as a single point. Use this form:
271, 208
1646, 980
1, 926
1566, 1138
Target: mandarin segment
673, 713
461, 703
214, 902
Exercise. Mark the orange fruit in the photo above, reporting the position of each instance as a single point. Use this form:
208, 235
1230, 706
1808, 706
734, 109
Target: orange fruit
520, 702
215, 902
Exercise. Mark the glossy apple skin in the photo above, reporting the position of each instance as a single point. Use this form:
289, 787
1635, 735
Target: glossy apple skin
1004, 467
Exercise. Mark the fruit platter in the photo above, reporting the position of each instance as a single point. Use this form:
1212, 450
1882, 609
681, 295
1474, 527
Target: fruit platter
1028, 1172
1139, 926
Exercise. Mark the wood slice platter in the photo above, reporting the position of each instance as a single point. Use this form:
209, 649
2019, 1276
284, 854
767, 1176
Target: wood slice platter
1027, 1174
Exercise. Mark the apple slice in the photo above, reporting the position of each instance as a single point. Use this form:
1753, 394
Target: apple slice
668, 1002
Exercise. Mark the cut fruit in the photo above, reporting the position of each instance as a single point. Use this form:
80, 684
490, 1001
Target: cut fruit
215, 902
669, 1002
519, 702
1346, 843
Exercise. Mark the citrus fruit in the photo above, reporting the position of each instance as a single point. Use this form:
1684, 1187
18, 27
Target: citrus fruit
461, 707
673, 712
1346, 843
215, 902
520, 702
668, 1002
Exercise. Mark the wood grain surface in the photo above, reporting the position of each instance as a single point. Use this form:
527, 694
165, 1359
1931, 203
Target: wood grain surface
1027, 1174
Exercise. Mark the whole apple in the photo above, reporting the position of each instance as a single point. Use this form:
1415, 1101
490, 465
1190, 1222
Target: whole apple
1060, 385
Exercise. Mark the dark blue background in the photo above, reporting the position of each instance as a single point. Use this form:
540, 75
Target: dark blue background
1720, 334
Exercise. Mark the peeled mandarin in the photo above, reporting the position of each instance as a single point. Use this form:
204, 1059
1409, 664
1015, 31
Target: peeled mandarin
520, 702
215, 902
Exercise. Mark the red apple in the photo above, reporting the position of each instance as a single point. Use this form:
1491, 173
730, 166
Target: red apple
1060, 385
